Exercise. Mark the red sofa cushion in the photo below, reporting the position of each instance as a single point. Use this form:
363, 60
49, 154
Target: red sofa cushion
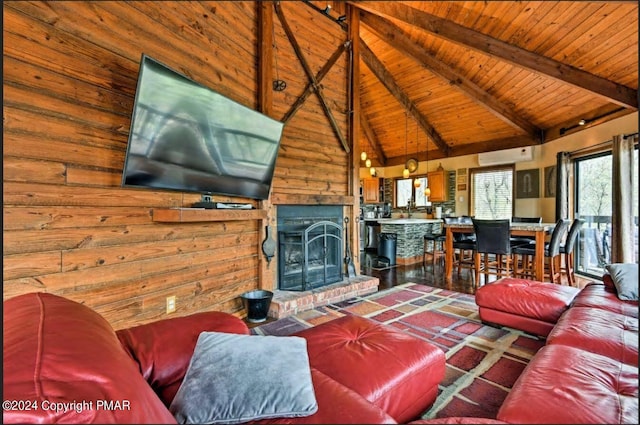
58, 351
567, 385
337, 404
605, 297
397, 372
163, 349
457, 420
598, 331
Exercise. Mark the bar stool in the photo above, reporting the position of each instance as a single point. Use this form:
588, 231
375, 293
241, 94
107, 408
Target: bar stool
463, 245
524, 240
434, 245
493, 255
566, 250
551, 254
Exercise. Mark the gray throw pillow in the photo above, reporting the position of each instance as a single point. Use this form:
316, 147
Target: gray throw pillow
239, 378
625, 278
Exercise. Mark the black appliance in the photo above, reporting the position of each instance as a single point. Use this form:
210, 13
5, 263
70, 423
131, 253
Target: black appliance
187, 137
373, 230
386, 210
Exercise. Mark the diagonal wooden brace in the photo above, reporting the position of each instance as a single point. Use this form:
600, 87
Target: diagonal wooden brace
312, 78
310, 86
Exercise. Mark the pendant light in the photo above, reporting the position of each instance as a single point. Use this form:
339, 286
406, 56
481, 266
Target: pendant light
368, 163
405, 172
427, 191
363, 156
416, 181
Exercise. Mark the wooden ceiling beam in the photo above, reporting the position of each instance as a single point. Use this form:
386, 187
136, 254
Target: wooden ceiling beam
385, 77
613, 92
492, 145
400, 40
470, 149
592, 119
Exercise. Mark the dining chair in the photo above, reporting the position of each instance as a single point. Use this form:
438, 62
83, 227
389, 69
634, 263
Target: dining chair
493, 255
516, 219
551, 254
463, 245
434, 244
524, 239
566, 249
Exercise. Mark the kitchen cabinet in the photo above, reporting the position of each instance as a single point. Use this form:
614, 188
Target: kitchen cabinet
439, 185
371, 191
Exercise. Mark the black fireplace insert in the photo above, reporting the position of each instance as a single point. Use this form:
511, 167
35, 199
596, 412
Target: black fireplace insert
310, 257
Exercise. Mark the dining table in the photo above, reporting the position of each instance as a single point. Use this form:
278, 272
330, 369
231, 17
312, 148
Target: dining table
536, 230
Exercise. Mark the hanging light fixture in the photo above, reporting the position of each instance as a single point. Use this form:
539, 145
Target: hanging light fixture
405, 172
416, 181
372, 170
427, 191
368, 163
363, 156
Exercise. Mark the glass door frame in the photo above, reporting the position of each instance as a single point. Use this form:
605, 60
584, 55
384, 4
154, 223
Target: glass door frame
592, 239
601, 241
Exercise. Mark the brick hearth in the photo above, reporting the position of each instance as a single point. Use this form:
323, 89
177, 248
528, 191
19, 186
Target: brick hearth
287, 303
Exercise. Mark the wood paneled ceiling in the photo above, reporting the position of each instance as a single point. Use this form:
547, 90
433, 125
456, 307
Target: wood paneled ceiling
462, 77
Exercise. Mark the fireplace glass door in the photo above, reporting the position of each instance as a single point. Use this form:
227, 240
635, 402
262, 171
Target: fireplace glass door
310, 257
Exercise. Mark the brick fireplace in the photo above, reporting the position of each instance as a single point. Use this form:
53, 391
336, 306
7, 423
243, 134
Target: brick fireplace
311, 260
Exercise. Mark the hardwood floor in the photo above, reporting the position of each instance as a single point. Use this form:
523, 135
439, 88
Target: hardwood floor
429, 275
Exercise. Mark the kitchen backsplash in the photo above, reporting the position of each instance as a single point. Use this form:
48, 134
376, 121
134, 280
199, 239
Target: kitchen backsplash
449, 205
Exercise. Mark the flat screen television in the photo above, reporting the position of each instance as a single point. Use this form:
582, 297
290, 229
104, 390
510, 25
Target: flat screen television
187, 137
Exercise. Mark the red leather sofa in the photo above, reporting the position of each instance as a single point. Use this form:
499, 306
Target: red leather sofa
588, 370
63, 362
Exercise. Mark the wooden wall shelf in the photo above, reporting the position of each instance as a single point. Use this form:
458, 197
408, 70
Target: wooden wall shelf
186, 215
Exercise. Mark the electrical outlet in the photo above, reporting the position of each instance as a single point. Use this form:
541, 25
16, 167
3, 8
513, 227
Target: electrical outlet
207, 198
171, 304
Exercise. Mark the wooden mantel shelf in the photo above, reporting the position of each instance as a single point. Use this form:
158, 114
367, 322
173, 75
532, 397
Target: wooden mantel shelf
185, 215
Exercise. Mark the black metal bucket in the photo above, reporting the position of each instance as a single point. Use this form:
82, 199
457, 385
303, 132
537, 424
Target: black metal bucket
257, 304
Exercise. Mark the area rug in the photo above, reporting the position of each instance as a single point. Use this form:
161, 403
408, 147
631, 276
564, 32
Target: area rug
483, 362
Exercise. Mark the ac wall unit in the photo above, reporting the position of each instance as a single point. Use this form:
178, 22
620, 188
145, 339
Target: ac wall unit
506, 156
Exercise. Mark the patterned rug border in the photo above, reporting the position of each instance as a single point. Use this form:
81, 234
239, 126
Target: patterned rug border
482, 361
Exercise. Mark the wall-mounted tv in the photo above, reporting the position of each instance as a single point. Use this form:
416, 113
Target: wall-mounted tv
186, 137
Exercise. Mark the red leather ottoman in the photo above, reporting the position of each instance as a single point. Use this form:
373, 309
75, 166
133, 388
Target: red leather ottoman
395, 371
528, 305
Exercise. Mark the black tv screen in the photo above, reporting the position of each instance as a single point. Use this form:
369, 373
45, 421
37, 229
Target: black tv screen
187, 137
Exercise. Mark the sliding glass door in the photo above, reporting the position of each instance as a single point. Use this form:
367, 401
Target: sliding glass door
593, 202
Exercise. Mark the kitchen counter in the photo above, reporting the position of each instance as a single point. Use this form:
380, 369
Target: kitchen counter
409, 236
407, 220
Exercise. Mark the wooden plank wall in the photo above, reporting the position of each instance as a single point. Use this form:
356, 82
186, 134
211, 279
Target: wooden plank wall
70, 72
312, 161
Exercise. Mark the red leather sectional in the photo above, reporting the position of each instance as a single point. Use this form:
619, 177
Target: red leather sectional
587, 373
59, 354
588, 370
